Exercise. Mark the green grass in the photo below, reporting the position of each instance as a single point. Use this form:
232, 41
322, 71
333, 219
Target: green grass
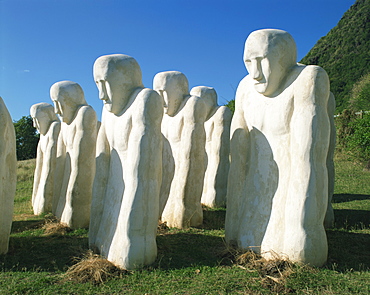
192, 261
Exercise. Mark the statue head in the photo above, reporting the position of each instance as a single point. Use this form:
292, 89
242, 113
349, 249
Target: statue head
173, 87
116, 77
268, 56
67, 97
207, 93
43, 115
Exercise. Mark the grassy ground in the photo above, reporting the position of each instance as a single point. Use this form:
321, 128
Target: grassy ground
192, 261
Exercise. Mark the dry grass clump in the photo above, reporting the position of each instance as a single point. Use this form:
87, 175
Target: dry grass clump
92, 268
162, 228
54, 228
273, 272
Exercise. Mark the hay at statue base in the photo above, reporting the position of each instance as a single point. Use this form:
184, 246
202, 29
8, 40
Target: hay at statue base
52, 227
273, 272
93, 268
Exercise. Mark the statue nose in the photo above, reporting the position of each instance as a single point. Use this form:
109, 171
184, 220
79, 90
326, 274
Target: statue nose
256, 70
56, 109
102, 95
103, 92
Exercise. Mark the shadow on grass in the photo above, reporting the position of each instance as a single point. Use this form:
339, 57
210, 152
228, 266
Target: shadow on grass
342, 198
180, 250
37, 253
351, 219
348, 251
30, 249
20, 226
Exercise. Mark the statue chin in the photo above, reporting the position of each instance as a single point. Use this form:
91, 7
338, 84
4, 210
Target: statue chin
108, 107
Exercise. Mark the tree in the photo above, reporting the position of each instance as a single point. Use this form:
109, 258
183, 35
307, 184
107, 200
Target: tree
27, 138
231, 105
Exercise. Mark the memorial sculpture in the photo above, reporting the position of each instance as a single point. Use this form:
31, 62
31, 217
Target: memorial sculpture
183, 127
48, 125
75, 159
8, 175
217, 128
125, 204
278, 181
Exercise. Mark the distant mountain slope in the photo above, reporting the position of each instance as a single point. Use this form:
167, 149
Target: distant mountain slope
345, 51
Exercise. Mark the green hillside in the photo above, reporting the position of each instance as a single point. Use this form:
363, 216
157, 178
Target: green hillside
345, 52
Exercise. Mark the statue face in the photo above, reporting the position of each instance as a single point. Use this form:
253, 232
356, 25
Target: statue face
42, 116
264, 65
41, 122
116, 77
67, 97
59, 107
207, 93
109, 90
64, 107
169, 101
36, 124
171, 88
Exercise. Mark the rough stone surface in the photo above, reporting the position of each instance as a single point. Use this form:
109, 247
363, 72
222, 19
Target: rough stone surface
183, 127
125, 204
278, 180
217, 128
48, 125
75, 163
8, 175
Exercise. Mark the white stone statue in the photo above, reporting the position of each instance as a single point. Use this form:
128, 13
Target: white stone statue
183, 126
217, 127
278, 180
8, 175
48, 126
75, 163
125, 204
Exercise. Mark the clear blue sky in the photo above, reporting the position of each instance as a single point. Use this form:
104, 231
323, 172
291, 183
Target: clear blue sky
46, 41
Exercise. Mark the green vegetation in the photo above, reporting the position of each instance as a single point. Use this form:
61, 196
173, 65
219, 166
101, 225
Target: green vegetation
359, 142
193, 261
26, 138
345, 52
353, 133
231, 105
360, 96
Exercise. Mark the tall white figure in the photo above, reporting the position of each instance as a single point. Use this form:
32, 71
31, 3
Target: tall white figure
278, 180
217, 127
125, 205
47, 123
8, 175
183, 127
75, 163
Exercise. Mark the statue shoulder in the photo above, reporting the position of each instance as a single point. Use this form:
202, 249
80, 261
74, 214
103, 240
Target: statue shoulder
224, 112
148, 96
304, 74
150, 103
196, 108
312, 84
86, 115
